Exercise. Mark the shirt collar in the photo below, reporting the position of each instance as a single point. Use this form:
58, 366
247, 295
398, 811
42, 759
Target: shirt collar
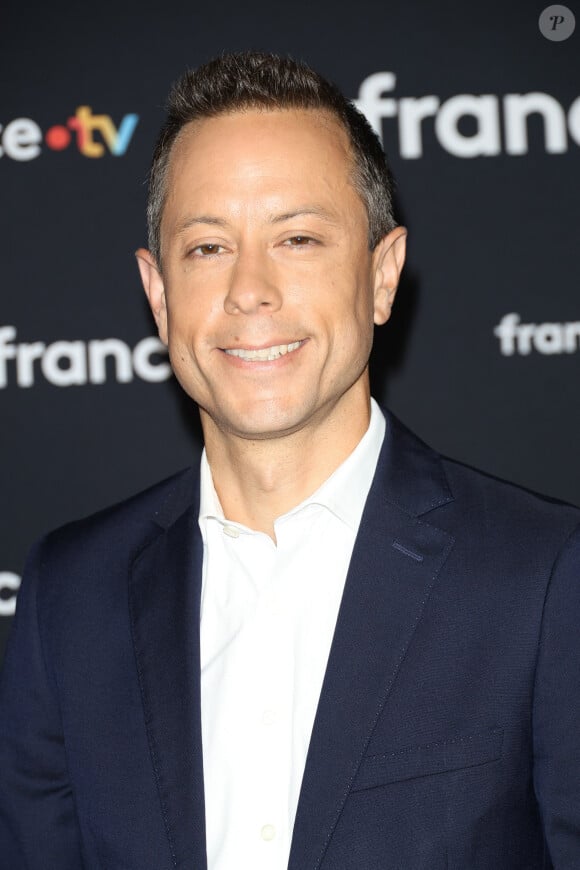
344, 493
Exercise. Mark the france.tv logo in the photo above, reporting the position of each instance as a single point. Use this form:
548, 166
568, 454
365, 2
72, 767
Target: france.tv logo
93, 135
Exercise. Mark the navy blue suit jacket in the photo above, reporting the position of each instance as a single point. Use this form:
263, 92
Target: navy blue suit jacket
447, 733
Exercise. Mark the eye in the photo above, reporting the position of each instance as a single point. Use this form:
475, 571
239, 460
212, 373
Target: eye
208, 249
299, 241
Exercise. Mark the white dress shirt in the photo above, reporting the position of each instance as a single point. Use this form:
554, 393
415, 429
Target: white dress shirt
268, 614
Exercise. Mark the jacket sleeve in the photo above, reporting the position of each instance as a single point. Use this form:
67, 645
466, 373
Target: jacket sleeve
556, 712
38, 825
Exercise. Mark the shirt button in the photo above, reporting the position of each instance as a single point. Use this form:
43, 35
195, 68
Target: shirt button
268, 832
231, 532
269, 717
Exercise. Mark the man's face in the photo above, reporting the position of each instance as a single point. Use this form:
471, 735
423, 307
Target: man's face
269, 291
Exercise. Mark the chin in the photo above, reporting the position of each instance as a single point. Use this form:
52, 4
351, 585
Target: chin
266, 430
261, 424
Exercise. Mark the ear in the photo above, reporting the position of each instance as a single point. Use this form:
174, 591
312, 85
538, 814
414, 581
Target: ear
154, 290
388, 259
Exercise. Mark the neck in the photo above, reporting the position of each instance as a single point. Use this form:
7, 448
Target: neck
259, 480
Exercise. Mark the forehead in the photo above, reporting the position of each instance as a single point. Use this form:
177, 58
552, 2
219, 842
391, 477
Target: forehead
298, 143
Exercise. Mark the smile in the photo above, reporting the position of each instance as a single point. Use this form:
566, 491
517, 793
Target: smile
264, 353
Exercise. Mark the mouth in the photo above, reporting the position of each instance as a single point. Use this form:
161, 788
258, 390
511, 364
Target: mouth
263, 354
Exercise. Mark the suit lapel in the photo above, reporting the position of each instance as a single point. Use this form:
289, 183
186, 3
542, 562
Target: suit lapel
395, 563
164, 596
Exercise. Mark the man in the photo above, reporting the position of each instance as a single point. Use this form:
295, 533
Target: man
324, 646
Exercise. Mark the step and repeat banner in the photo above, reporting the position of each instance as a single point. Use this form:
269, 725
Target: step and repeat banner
479, 110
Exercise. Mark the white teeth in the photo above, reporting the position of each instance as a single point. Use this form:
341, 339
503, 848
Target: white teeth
265, 353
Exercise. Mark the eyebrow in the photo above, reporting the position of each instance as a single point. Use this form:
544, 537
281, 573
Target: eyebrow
315, 210
302, 211
199, 219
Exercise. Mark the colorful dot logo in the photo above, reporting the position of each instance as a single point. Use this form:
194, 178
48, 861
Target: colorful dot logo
57, 137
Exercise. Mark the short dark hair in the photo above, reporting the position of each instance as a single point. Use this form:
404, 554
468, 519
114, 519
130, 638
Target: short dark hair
249, 80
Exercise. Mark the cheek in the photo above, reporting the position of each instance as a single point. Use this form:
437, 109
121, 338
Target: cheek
177, 354
351, 304
190, 311
182, 335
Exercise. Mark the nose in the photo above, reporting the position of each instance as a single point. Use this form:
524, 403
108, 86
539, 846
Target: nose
252, 285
